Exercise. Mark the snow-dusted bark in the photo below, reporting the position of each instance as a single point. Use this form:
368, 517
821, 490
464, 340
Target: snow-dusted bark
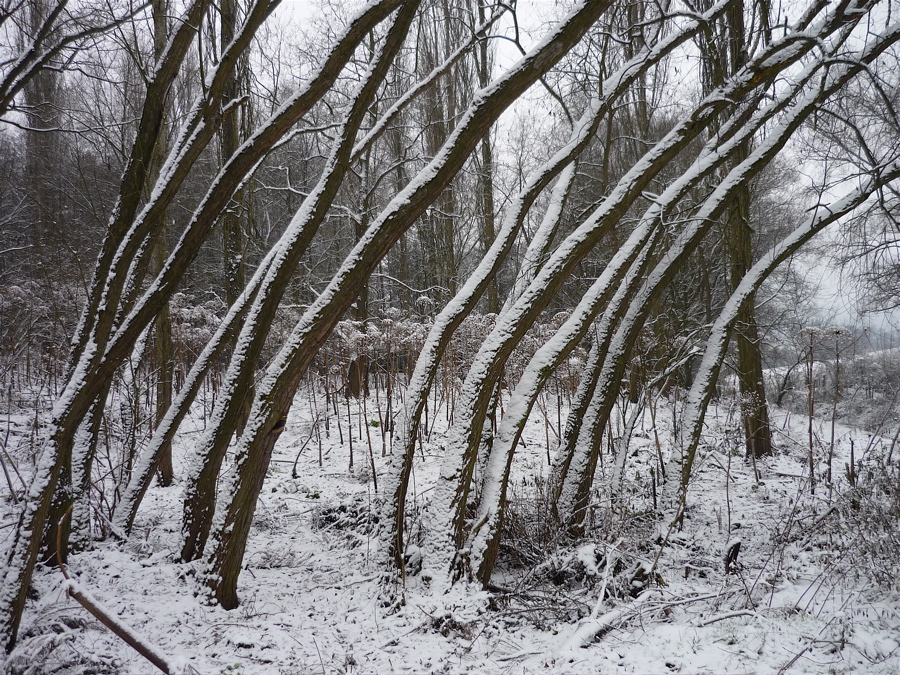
542, 240
397, 479
275, 393
122, 244
129, 229
71, 409
628, 265
584, 394
587, 440
452, 315
144, 646
147, 463
197, 132
200, 486
703, 388
83, 454
447, 321
126, 251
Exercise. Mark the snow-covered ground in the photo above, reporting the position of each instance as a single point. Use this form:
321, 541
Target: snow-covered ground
311, 601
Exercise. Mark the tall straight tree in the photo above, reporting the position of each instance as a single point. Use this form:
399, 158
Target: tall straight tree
229, 140
725, 54
162, 338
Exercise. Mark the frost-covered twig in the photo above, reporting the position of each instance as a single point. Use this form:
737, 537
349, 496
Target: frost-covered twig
727, 615
610, 558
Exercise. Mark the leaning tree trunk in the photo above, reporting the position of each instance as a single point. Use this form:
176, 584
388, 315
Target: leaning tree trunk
229, 414
101, 344
484, 539
147, 464
704, 385
802, 106
452, 315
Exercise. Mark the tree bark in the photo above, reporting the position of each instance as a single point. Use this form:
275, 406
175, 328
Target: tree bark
199, 502
229, 138
754, 410
165, 353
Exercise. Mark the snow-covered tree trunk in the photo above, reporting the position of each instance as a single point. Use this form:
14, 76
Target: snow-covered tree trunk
541, 242
146, 466
453, 314
102, 342
484, 538
451, 493
71, 409
804, 103
125, 256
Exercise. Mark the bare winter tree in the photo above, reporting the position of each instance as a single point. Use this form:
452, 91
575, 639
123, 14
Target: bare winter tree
680, 176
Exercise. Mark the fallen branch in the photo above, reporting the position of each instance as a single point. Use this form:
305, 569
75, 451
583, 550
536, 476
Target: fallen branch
592, 627
723, 617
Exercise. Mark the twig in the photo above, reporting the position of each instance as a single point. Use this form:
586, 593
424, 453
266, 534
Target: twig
297, 459
516, 655
321, 662
787, 665
728, 615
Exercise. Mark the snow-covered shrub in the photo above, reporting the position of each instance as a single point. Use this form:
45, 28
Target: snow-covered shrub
531, 529
354, 517
867, 522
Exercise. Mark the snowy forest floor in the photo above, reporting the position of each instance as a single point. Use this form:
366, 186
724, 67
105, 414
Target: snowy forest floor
808, 593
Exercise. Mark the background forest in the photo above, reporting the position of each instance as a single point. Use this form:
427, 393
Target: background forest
498, 315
